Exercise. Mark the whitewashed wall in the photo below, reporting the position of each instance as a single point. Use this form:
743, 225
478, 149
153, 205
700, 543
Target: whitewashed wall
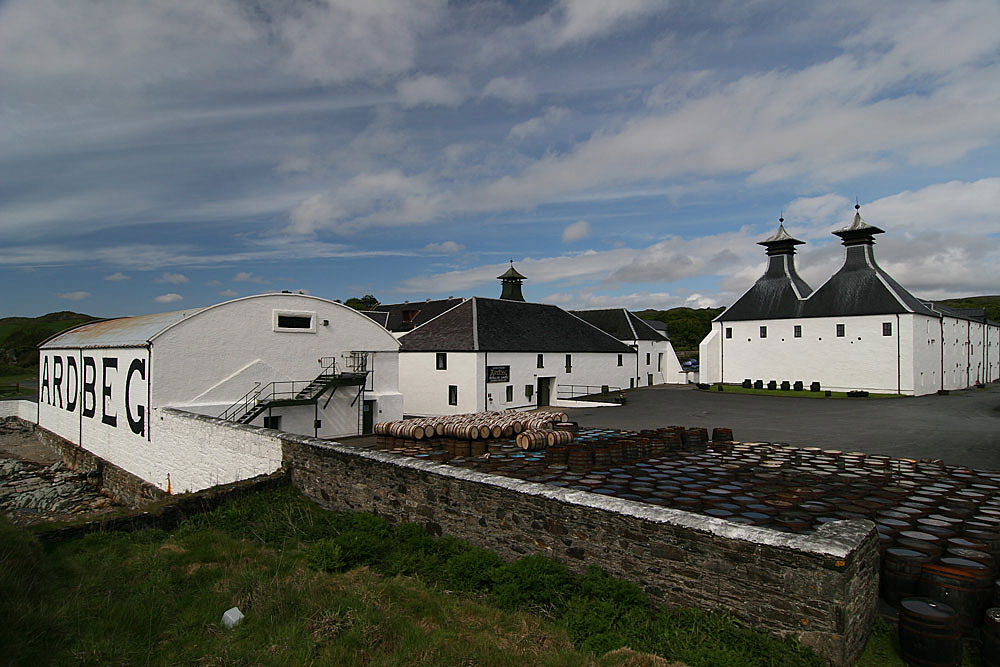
198, 452
425, 389
862, 359
96, 397
210, 360
26, 410
665, 369
927, 347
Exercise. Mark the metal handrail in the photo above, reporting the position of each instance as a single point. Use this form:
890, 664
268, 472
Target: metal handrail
568, 391
356, 362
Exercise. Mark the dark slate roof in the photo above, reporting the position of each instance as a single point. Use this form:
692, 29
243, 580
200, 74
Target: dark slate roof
778, 293
659, 326
620, 323
377, 316
495, 325
973, 314
426, 311
511, 274
862, 287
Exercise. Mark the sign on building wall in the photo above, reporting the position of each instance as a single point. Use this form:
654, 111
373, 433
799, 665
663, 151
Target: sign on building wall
87, 390
498, 374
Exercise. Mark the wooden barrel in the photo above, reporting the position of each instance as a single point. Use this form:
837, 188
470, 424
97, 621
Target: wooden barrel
901, 570
558, 438
720, 434
929, 634
532, 440
990, 634
964, 585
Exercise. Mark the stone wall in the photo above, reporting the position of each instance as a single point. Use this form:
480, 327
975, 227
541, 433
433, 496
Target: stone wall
821, 588
124, 487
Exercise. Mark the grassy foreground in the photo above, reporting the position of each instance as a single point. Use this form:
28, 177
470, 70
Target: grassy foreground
321, 587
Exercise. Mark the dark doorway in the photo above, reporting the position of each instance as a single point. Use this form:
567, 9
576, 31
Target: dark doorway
544, 391
367, 417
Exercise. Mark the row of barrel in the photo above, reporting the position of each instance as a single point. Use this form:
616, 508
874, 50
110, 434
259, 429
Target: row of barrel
931, 634
471, 426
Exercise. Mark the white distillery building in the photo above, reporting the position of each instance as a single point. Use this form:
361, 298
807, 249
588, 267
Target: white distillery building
655, 359
860, 330
498, 354
293, 362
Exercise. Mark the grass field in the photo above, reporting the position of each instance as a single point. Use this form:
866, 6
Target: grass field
333, 588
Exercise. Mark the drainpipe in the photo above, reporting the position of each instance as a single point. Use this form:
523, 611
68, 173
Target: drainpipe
968, 350
899, 389
722, 353
486, 387
941, 344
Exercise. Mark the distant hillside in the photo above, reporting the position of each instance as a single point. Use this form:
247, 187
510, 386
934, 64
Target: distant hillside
20, 336
686, 326
990, 303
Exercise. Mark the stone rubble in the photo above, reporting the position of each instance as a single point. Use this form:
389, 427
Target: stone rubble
33, 493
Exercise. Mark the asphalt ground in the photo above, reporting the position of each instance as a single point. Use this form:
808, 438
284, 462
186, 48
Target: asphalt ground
961, 428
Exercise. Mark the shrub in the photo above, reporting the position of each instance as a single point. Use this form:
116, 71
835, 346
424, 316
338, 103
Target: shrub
533, 581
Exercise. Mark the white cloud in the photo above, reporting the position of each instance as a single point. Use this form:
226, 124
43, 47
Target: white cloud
248, 277
539, 124
229, 293
116, 277
514, 90
429, 90
335, 41
74, 296
577, 231
168, 298
588, 299
172, 278
447, 247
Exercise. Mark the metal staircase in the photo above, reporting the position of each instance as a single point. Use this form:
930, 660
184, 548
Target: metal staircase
300, 392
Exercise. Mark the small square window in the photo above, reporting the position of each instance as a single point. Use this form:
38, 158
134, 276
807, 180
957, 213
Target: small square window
293, 321
763, 332
729, 332
797, 331
452, 394
887, 328
273, 422
620, 360
647, 358
529, 390
441, 361
540, 363
510, 393
841, 330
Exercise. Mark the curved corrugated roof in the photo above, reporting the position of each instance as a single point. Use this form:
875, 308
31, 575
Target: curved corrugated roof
120, 332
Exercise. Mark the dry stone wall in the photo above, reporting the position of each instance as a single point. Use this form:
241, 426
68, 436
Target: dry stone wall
821, 588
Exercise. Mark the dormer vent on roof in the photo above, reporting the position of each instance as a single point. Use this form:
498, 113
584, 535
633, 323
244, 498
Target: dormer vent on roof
777, 293
511, 281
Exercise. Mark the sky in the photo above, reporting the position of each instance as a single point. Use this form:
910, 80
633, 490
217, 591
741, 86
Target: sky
171, 154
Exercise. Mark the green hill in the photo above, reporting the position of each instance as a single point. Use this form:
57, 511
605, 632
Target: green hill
20, 336
686, 326
990, 303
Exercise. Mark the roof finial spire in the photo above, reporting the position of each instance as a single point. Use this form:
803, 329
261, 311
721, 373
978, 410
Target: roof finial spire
781, 217
857, 204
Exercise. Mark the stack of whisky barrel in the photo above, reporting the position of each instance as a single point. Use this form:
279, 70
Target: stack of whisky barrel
468, 434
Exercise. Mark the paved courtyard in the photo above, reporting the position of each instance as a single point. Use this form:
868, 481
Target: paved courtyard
962, 428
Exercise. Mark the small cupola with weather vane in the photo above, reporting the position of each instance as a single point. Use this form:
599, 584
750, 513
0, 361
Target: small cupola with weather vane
777, 293
511, 281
